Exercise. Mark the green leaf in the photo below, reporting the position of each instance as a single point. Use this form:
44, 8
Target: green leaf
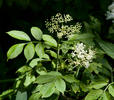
50, 40
69, 78
60, 85
106, 96
98, 85
81, 36
15, 50
94, 94
19, 35
52, 53
111, 90
29, 79
47, 90
34, 62
75, 87
45, 79
21, 95
106, 64
23, 69
37, 89
29, 51
39, 50
7, 92
107, 47
46, 56
37, 33
54, 73
35, 96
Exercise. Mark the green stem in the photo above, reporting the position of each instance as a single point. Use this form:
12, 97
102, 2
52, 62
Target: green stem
77, 71
57, 55
106, 89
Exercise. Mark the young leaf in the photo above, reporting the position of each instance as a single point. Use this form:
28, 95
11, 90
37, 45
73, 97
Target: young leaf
94, 94
29, 79
7, 92
46, 56
29, 51
23, 69
50, 40
19, 35
52, 53
47, 90
39, 50
111, 90
37, 33
34, 62
15, 50
35, 96
21, 95
60, 85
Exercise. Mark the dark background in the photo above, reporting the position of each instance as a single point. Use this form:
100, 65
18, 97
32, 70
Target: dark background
23, 14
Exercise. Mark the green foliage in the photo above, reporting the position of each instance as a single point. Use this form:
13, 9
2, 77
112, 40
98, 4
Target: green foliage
19, 35
50, 40
53, 68
94, 94
21, 95
37, 33
29, 51
111, 90
60, 85
15, 50
107, 47
39, 48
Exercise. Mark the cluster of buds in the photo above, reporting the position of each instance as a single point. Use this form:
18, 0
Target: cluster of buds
57, 24
81, 55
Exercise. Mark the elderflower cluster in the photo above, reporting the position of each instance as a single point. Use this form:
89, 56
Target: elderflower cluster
81, 55
57, 25
110, 12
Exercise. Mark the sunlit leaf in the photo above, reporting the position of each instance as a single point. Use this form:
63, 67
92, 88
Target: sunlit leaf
37, 33
34, 62
29, 79
15, 50
94, 94
60, 85
29, 51
50, 40
47, 89
39, 50
19, 35
111, 90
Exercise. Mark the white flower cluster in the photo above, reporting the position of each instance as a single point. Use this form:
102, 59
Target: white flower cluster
110, 13
56, 24
82, 56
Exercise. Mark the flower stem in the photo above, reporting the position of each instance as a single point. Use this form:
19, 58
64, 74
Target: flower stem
77, 71
57, 55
